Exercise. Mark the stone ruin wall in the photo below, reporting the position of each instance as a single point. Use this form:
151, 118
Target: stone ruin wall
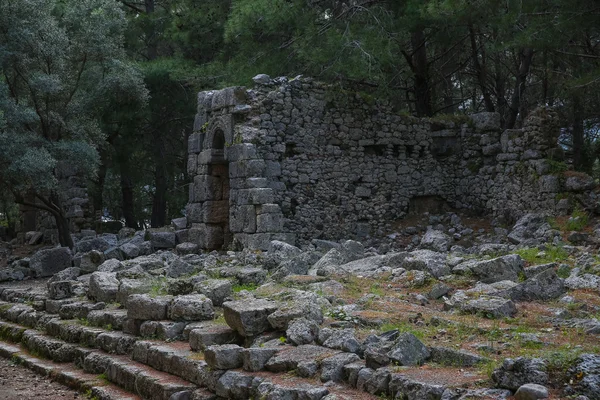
297, 160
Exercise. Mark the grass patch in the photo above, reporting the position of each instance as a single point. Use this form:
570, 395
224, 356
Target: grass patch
578, 221
248, 286
534, 256
158, 287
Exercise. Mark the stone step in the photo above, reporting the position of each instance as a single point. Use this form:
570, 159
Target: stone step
175, 358
69, 376
135, 377
131, 375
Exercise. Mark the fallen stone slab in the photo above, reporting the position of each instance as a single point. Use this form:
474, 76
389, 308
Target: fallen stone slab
50, 261
249, 317
210, 334
193, 307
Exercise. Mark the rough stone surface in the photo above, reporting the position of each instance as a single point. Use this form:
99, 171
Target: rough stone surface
50, 261
531, 391
248, 317
408, 350
144, 307
517, 372
193, 307
103, 286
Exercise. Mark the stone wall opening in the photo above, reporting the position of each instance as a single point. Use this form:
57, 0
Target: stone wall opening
217, 207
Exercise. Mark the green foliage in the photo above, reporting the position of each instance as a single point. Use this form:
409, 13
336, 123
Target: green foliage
551, 254
579, 220
250, 287
159, 287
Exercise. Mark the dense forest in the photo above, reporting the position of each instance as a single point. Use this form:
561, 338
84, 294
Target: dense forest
109, 86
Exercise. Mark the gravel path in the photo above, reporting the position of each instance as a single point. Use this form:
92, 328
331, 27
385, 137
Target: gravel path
19, 383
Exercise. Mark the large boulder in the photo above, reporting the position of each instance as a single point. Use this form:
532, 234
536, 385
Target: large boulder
50, 261
544, 286
163, 240
328, 264
408, 350
585, 375
436, 241
503, 268
515, 373
422, 260
526, 228
103, 286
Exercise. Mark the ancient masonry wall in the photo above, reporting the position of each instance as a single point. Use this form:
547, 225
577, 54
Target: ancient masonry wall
297, 160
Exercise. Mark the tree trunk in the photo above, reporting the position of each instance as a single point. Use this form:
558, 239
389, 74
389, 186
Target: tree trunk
516, 103
481, 71
62, 223
420, 70
64, 231
150, 32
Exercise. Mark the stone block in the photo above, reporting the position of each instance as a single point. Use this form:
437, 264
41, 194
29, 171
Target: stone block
257, 241
226, 356
228, 97
103, 286
199, 120
242, 151
252, 183
248, 317
206, 236
192, 164
247, 169
144, 307
193, 307
194, 212
210, 334
195, 143
163, 240
255, 196
217, 290
269, 223
205, 101
243, 219
207, 188
215, 212
50, 261
255, 358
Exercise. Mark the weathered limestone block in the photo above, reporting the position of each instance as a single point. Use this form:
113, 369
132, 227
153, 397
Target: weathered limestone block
242, 151
207, 187
271, 222
255, 196
248, 317
193, 307
215, 212
243, 219
48, 262
103, 286
144, 307
195, 143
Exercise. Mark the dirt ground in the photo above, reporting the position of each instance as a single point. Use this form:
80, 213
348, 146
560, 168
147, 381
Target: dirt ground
19, 383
